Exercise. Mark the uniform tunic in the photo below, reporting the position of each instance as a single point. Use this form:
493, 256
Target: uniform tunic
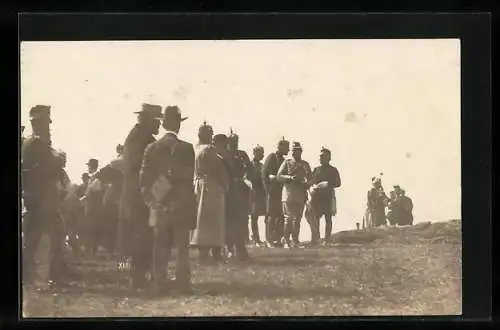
273, 188
41, 171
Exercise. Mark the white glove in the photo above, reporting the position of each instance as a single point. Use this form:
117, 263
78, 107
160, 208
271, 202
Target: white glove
272, 177
248, 183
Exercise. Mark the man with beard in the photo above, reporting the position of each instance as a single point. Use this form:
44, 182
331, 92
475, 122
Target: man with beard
238, 201
273, 188
211, 185
169, 164
134, 232
257, 193
294, 173
324, 179
41, 171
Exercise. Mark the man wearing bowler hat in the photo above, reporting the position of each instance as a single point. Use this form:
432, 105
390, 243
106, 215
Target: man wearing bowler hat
168, 164
134, 234
41, 167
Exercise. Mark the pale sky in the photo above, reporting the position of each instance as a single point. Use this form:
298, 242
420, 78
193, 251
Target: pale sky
390, 106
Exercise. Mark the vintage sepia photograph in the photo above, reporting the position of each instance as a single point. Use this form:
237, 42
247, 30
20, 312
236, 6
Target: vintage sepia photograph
241, 178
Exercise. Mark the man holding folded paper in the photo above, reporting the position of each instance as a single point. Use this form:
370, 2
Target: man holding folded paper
166, 181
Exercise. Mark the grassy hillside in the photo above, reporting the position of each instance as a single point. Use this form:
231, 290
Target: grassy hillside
403, 271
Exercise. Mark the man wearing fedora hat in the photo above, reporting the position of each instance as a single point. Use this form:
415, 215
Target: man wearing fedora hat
134, 235
169, 164
41, 171
294, 173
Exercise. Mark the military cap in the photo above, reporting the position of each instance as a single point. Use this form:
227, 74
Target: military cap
258, 148
396, 187
85, 176
296, 146
172, 112
283, 142
92, 161
205, 129
40, 111
119, 147
152, 110
325, 151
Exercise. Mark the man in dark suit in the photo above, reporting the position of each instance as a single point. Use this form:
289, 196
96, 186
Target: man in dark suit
134, 234
173, 159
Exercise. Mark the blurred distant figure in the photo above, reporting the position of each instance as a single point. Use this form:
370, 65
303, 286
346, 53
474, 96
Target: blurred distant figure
274, 188
211, 185
394, 206
74, 212
93, 199
377, 200
407, 210
238, 204
135, 235
111, 176
257, 193
294, 173
324, 179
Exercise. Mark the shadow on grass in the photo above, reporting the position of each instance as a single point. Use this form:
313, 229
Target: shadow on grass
269, 290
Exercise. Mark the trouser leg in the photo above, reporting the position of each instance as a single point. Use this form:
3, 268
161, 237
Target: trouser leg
297, 210
288, 215
255, 228
32, 235
328, 226
240, 246
268, 230
183, 268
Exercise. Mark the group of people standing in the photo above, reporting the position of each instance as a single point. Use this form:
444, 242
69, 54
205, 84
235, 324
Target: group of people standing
397, 209
145, 202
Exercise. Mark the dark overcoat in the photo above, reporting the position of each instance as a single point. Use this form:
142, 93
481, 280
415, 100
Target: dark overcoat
133, 211
173, 158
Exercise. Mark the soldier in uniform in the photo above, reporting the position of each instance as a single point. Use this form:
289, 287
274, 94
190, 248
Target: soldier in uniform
173, 159
211, 186
238, 201
294, 173
324, 179
134, 236
41, 170
273, 188
257, 193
